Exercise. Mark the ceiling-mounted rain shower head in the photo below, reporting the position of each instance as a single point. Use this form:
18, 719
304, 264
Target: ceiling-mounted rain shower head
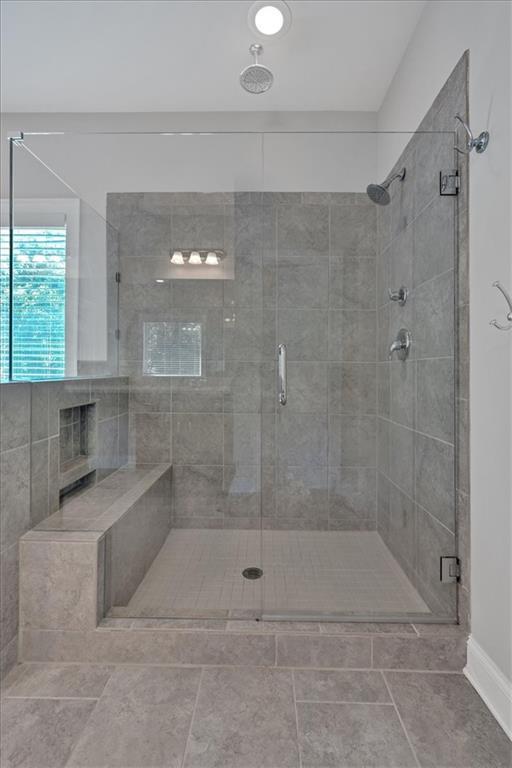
378, 193
256, 78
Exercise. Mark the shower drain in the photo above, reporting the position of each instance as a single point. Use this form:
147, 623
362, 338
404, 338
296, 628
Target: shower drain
252, 573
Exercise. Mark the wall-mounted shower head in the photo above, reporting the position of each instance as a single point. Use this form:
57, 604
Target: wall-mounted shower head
256, 78
378, 193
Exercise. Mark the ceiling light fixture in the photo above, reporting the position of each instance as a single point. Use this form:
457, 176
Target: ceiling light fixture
270, 18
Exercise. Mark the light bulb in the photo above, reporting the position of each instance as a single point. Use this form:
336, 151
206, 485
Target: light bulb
212, 258
195, 258
177, 258
269, 20
159, 280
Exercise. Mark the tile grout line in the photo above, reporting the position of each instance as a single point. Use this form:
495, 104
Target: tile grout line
401, 721
294, 694
192, 718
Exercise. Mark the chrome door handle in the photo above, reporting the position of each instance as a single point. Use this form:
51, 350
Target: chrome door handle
281, 366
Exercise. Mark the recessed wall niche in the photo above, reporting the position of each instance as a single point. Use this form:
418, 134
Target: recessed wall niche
77, 446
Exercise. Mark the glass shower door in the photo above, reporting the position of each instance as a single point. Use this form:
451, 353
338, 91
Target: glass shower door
359, 508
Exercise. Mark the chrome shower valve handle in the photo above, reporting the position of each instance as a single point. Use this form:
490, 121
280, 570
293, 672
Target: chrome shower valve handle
400, 295
508, 299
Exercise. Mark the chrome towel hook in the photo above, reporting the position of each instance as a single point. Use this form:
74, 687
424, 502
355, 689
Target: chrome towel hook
480, 143
506, 294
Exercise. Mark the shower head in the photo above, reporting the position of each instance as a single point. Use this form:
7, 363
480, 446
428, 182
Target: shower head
256, 78
378, 193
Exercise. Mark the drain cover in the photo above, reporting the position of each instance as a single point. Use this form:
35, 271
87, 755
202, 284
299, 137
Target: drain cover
252, 573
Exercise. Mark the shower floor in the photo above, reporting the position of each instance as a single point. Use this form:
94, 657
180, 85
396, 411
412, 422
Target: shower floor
199, 572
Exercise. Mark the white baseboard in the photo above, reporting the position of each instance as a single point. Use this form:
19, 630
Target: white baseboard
491, 685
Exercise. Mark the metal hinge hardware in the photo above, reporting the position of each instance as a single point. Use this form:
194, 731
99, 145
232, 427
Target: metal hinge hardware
449, 182
449, 570
118, 277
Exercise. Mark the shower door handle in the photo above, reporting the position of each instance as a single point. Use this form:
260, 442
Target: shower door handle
281, 364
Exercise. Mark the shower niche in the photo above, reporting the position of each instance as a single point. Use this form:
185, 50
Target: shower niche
77, 448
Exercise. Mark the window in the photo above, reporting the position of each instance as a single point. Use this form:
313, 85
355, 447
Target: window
45, 272
172, 349
39, 302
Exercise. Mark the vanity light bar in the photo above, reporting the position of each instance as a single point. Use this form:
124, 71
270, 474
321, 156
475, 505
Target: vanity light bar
196, 256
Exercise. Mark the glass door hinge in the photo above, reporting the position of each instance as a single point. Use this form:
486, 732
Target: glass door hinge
449, 182
450, 570
118, 277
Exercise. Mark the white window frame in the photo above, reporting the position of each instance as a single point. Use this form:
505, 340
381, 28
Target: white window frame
56, 212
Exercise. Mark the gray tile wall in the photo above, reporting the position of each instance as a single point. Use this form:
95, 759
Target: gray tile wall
304, 275
29, 468
422, 499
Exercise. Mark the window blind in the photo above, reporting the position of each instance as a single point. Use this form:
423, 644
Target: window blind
172, 349
39, 302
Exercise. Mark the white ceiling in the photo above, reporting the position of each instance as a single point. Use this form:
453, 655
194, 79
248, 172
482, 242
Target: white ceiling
182, 55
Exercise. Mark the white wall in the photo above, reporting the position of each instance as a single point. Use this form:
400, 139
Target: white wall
445, 30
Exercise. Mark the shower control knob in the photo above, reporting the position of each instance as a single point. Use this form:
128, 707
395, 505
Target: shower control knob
400, 295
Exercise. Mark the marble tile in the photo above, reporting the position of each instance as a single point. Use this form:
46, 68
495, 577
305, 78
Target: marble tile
434, 312
38, 733
242, 438
249, 387
197, 293
352, 285
402, 386
14, 415
434, 240
352, 387
400, 261
303, 235
198, 438
307, 387
448, 723
304, 332
364, 628
401, 457
435, 407
247, 287
249, 335
9, 584
150, 394
353, 232
198, 491
302, 287
352, 335
39, 392
105, 393
352, 736
14, 494
302, 439
318, 652
8, 658
352, 440
201, 394
58, 584
346, 686
383, 389
145, 235
59, 681
255, 230
39, 499
435, 478
107, 447
244, 718
142, 719
422, 653
301, 491
433, 541
152, 437
352, 495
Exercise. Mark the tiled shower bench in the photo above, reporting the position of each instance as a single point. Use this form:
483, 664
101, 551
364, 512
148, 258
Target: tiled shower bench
95, 551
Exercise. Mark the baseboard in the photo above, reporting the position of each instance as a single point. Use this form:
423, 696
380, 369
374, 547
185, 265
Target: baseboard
491, 685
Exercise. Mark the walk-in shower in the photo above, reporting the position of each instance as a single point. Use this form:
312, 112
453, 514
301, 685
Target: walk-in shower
262, 379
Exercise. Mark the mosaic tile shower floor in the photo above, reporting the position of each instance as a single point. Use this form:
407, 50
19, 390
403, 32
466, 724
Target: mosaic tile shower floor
200, 571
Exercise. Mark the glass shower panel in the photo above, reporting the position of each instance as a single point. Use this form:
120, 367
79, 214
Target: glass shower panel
59, 261
359, 502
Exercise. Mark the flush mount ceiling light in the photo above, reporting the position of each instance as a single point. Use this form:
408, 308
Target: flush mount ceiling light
270, 18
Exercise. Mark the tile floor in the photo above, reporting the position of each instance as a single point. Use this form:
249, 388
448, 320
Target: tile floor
311, 571
124, 716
